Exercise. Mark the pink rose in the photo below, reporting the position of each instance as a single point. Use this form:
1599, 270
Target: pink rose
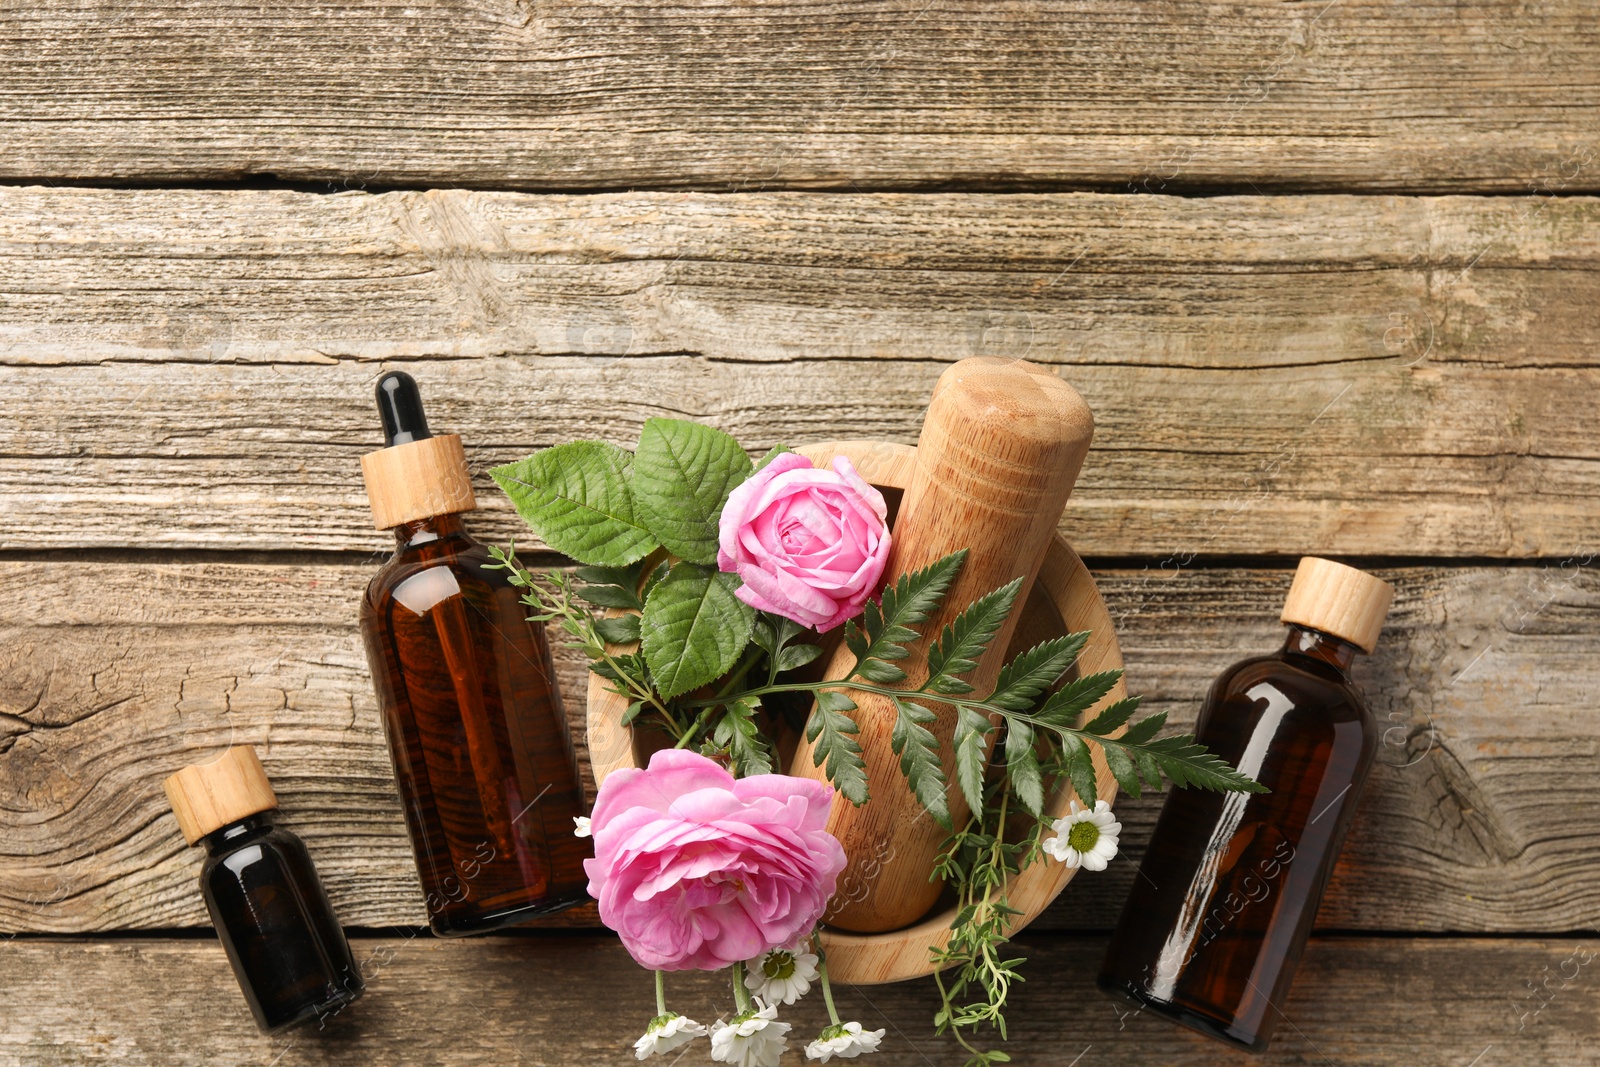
696, 870
808, 544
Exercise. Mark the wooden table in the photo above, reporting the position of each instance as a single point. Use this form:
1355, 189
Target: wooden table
1328, 273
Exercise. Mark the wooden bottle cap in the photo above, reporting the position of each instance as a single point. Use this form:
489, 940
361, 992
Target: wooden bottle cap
208, 796
417, 480
1338, 600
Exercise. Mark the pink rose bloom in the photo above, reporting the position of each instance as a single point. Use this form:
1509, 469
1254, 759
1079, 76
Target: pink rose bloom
808, 544
696, 870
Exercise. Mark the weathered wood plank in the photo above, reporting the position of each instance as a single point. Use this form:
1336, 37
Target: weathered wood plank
1270, 375
1483, 814
541, 1000
1369, 94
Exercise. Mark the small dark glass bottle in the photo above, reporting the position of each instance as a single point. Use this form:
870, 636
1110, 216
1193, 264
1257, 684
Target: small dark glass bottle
1228, 890
266, 902
485, 765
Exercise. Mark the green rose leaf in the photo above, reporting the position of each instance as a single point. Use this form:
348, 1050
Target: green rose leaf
773, 453
693, 628
796, 656
576, 497
682, 475
621, 630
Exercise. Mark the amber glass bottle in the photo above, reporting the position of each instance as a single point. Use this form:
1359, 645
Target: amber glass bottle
485, 765
273, 918
1229, 887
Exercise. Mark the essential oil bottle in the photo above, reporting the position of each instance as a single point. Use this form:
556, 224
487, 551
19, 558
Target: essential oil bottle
485, 765
1229, 887
269, 908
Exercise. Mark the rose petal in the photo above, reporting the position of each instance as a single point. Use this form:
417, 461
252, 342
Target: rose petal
672, 772
707, 870
808, 544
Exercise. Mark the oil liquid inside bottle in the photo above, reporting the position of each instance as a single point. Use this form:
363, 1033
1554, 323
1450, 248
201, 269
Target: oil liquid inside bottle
274, 920
1229, 887
484, 762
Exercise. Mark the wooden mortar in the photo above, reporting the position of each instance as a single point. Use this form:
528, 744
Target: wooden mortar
1001, 447
1064, 600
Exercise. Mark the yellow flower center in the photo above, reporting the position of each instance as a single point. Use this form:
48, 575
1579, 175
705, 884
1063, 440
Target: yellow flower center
778, 965
1083, 836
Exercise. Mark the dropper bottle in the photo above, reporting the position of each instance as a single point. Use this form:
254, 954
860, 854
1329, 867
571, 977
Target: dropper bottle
485, 765
1228, 889
267, 904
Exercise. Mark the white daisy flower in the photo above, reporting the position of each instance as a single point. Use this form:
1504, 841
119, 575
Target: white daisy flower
668, 1030
580, 826
665, 1033
1084, 838
753, 1039
846, 1040
782, 976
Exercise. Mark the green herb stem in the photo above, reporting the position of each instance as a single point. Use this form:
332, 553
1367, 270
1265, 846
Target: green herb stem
693, 728
752, 656
822, 975
974, 943
982, 707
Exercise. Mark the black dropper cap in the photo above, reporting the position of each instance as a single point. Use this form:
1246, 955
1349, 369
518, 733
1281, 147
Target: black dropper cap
400, 406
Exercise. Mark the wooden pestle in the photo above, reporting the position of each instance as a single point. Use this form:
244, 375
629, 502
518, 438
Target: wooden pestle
1001, 447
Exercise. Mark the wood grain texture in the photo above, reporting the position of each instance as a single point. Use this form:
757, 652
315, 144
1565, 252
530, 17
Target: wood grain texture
1370, 375
580, 1000
1369, 94
1483, 813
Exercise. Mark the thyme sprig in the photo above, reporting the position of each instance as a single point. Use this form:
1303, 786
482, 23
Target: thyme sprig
979, 861
555, 600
